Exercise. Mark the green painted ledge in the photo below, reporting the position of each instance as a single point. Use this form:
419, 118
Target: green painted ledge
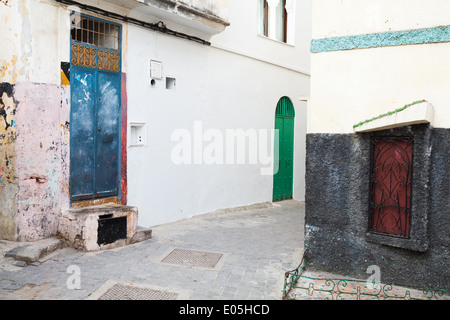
387, 113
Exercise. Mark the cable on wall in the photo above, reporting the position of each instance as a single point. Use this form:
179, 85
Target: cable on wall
159, 26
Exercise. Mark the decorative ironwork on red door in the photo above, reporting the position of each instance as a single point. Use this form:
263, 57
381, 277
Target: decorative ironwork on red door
391, 186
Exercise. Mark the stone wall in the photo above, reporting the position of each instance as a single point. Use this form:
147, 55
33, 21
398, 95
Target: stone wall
337, 210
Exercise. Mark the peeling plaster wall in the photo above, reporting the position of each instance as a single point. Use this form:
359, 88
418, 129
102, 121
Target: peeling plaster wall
34, 141
34, 118
10, 38
217, 7
8, 186
25, 53
41, 169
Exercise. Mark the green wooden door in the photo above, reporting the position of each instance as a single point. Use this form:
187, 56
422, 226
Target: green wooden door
284, 172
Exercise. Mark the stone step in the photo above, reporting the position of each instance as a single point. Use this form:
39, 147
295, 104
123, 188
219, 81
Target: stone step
33, 251
142, 234
101, 227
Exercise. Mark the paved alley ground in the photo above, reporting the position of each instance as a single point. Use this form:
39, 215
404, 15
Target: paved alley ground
225, 255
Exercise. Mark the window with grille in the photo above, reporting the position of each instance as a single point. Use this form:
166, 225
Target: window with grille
391, 184
95, 32
95, 43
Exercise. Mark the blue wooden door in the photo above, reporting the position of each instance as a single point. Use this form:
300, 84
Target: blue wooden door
82, 133
95, 134
108, 135
95, 109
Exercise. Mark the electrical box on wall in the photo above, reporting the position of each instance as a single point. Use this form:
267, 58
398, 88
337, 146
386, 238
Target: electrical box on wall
156, 70
138, 134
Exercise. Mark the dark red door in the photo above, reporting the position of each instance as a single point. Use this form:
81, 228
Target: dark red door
391, 186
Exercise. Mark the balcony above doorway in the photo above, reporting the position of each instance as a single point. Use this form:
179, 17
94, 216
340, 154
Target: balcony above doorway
208, 17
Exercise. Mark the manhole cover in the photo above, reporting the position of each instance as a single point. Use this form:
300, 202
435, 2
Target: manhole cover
193, 258
124, 292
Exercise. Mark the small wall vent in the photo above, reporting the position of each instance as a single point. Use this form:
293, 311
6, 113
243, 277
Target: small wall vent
170, 83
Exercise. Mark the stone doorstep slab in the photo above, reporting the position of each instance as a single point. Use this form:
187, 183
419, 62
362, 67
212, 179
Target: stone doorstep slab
101, 209
34, 251
31, 252
80, 226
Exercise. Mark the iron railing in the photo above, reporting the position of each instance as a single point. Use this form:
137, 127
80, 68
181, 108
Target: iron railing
310, 288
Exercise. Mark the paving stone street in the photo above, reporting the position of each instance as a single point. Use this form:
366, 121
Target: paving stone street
253, 247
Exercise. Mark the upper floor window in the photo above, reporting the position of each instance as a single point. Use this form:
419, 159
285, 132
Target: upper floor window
275, 19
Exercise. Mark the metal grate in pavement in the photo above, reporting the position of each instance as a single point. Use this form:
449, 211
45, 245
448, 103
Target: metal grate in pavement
125, 292
193, 258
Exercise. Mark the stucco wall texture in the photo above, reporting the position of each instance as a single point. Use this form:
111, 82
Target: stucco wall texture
337, 203
35, 176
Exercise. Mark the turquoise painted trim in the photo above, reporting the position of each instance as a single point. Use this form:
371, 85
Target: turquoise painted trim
383, 39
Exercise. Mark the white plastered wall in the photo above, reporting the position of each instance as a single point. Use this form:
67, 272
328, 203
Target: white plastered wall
242, 35
334, 18
224, 87
350, 86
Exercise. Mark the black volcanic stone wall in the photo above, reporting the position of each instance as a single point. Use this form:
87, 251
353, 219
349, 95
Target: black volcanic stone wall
337, 210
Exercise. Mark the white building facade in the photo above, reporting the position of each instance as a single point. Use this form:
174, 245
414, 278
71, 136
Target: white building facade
232, 86
165, 106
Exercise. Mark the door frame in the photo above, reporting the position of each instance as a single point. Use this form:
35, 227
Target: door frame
75, 202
